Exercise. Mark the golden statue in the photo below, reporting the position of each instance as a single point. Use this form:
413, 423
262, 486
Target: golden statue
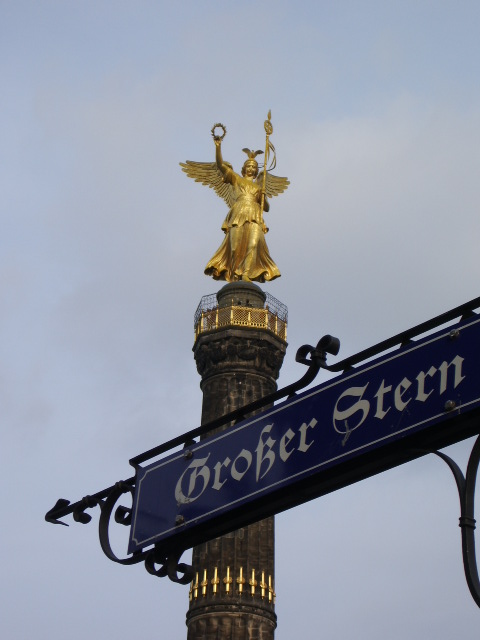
243, 254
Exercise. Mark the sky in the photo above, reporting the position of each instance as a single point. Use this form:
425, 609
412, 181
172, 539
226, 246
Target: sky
376, 115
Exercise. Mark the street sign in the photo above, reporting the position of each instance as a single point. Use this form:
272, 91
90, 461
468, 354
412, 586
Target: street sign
391, 410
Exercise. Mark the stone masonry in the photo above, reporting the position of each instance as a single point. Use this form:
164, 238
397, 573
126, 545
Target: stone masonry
232, 596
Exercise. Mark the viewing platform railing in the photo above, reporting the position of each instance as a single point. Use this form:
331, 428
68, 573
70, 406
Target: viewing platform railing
210, 316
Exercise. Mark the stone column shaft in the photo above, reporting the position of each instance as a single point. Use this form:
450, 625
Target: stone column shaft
232, 596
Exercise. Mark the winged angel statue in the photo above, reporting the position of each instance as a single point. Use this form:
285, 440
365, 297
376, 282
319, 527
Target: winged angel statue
243, 254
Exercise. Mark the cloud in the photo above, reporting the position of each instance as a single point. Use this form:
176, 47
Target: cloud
104, 241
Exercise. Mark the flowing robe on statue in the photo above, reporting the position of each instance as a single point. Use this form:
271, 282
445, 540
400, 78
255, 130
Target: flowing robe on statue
243, 252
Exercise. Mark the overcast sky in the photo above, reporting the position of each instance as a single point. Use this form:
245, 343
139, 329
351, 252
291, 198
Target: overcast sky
376, 114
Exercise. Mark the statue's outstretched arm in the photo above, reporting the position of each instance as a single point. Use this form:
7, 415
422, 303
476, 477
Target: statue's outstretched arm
219, 158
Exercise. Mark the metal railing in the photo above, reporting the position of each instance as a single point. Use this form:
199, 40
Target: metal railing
209, 316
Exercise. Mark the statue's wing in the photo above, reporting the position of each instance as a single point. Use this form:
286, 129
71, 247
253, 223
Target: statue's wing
274, 185
208, 174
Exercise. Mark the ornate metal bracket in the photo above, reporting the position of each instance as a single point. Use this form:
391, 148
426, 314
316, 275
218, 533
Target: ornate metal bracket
315, 358
466, 491
106, 500
157, 563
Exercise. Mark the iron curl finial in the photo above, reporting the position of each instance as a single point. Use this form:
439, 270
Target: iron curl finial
466, 492
169, 566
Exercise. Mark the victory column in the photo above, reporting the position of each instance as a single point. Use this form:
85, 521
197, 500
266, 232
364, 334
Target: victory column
240, 343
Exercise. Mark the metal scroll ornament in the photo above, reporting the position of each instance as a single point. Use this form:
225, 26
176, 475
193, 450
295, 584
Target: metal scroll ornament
243, 254
466, 492
156, 562
162, 561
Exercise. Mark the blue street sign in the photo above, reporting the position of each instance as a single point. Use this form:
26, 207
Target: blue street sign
364, 421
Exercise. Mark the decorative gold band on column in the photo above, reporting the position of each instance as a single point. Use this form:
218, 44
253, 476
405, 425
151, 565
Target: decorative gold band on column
227, 585
272, 315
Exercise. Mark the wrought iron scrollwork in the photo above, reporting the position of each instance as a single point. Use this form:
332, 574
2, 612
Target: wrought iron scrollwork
156, 562
169, 566
315, 358
88, 502
466, 491
122, 516
107, 500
